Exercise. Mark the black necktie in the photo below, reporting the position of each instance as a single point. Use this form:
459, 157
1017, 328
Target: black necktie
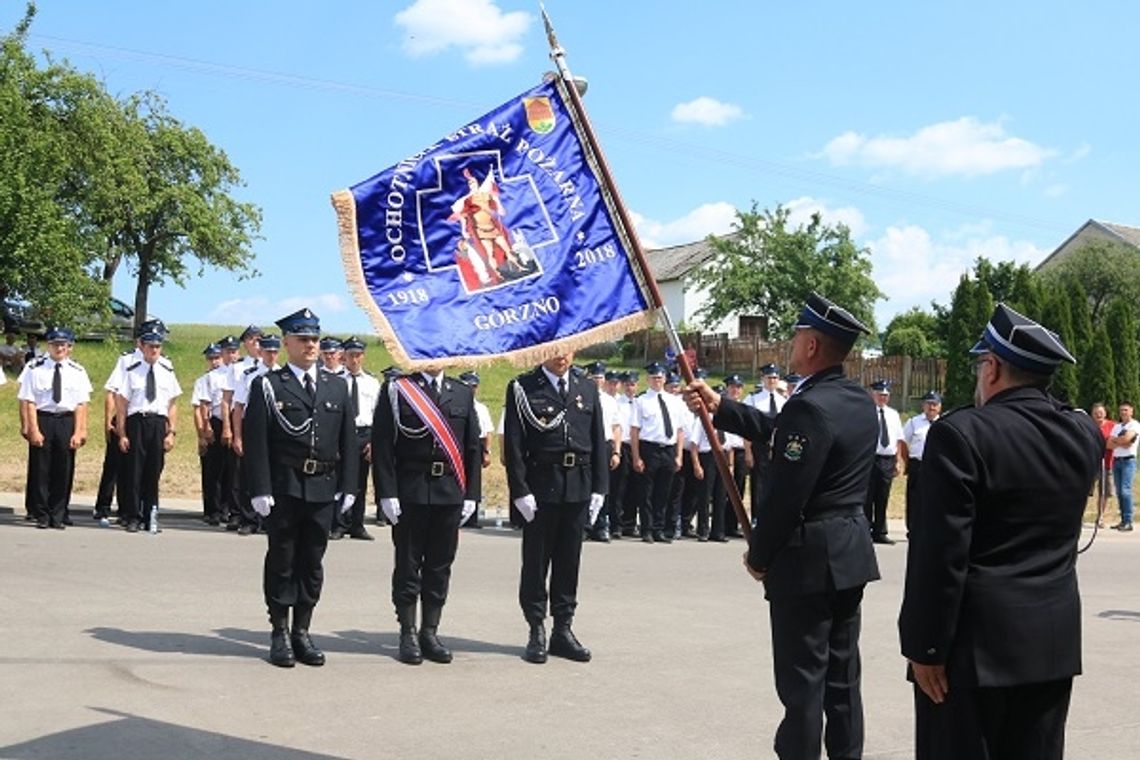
720, 436
309, 387
57, 385
562, 389
355, 396
665, 416
151, 387
884, 440
433, 391
772, 403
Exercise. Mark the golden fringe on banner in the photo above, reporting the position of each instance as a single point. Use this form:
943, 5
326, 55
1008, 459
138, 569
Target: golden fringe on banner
345, 206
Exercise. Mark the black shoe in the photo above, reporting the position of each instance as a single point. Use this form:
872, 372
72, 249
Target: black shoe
564, 644
213, 520
360, 535
602, 536
719, 539
432, 648
735, 534
702, 537
232, 526
132, 526
59, 526
1124, 527
647, 538
616, 536
883, 539
688, 533
409, 653
536, 644
244, 530
67, 520
280, 652
660, 537
43, 524
629, 532
336, 534
305, 650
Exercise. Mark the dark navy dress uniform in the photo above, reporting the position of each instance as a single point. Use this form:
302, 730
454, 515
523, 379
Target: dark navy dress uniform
410, 465
991, 584
813, 542
556, 451
299, 448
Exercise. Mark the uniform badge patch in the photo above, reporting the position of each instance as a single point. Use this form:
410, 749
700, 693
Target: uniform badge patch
578, 401
795, 447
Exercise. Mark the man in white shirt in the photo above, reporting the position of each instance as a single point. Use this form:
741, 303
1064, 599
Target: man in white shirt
770, 402
888, 462
243, 517
486, 436
596, 371
625, 494
146, 418
657, 445
206, 401
54, 393
911, 446
364, 390
1124, 442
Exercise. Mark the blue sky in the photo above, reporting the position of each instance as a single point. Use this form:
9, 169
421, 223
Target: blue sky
937, 132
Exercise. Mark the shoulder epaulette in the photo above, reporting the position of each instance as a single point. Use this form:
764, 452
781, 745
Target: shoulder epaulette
39, 361
75, 364
250, 370
369, 373
165, 363
128, 352
132, 366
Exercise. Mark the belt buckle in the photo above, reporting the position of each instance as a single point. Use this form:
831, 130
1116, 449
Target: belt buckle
309, 467
437, 469
569, 459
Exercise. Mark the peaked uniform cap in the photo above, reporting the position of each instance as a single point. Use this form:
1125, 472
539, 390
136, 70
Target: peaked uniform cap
769, 370
352, 343
734, 380
212, 350
250, 332
229, 342
59, 335
831, 319
1022, 342
654, 369
595, 369
470, 379
881, 386
331, 344
302, 322
932, 397
269, 342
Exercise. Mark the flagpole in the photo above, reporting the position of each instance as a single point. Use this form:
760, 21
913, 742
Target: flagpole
558, 55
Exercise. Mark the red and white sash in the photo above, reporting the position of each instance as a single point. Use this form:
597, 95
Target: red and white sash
427, 411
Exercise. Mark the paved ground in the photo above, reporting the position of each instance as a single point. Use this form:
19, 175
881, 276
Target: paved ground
139, 646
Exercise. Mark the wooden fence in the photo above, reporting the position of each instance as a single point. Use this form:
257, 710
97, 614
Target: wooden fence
721, 355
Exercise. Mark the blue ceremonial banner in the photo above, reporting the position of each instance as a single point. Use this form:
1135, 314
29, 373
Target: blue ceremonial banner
499, 240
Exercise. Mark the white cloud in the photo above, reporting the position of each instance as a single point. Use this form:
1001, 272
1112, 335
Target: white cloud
1056, 190
479, 28
963, 147
707, 112
801, 209
262, 310
1080, 153
913, 268
708, 219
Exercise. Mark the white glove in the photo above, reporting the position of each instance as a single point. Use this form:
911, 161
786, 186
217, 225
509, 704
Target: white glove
391, 509
596, 503
349, 500
468, 510
527, 506
262, 505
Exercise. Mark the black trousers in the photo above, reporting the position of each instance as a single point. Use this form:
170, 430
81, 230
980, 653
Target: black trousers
709, 497
619, 484
298, 533
675, 505
658, 482
552, 545
217, 473
426, 539
740, 475
913, 484
51, 467
142, 466
352, 521
238, 504
1025, 722
815, 655
879, 493
111, 475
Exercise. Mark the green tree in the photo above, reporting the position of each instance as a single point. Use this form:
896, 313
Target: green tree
1025, 294
1081, 317
970, 309
1058, 318
769, 267
1098, 372
914, 322
1107, 270
1121, 327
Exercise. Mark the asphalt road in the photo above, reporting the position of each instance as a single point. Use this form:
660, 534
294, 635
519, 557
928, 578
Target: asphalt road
140, 646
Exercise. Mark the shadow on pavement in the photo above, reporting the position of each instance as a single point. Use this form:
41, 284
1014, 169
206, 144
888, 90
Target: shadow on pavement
1129, 615
132, 736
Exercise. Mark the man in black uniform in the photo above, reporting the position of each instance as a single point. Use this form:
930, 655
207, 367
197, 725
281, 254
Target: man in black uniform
991, 615
811, 545
299, 454
428, 463
557, 460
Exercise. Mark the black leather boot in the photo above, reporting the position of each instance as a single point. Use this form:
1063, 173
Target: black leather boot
563, 643
280, 651
409, 646
536, 644
429, 642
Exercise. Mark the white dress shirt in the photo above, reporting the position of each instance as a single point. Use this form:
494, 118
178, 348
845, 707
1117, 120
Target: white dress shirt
134, 387
36, 386
914, 435
764, 399
650, 423
367, 393
894, 432
486, 426
1120, 429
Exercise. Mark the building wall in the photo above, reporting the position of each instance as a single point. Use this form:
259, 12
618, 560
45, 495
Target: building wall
684, 303
1087, 234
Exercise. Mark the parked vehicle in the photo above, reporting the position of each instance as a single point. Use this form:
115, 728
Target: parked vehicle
121, 325
18, 318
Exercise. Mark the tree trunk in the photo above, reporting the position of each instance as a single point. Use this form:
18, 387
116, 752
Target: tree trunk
141, 291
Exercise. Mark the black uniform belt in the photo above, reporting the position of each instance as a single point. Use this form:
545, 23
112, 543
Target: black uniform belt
1132, 456
146, 414
884, 456
55, 414
364, 430
567, 459
653, 445
832, 513
309, 466
434, 468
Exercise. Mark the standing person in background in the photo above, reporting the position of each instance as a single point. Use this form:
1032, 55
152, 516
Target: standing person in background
238, 500
1103, 486
55, 392
332, 356
486, 436
363, 390
741, 453
708, 492
911, 446
596, 371
206, 401
991, 615
887, 463
628, 490
678, 524
268, 348
758, 454
300, 455
146, 418
657, 446
1124, 442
